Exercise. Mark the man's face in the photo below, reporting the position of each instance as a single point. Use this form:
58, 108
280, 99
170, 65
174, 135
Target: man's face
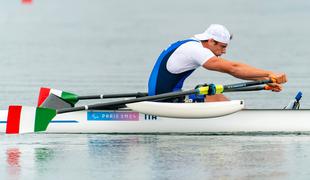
216, 47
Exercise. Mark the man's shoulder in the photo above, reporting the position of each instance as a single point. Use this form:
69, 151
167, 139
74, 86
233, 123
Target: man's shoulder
193, 45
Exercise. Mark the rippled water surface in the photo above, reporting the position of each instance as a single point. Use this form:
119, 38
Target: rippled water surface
92, 47
154, 157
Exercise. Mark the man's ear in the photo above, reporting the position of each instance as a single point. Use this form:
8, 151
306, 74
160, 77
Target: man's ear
211, 42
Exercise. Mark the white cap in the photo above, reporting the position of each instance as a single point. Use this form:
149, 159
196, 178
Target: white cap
217, 32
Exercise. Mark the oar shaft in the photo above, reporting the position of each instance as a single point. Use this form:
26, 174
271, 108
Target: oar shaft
258, 88
246, 84
121, 102
102, 96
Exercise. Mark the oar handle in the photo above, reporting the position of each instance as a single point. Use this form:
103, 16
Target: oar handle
102, 96
246, 84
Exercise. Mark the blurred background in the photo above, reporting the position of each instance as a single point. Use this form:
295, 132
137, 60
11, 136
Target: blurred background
110, 46
91, 47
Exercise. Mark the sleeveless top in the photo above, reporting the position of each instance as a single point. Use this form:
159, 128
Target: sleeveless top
161, 80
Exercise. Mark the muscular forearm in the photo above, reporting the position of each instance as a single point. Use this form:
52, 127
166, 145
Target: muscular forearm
244, 71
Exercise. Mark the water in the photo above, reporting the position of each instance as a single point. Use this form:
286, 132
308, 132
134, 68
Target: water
154, 157
91, 47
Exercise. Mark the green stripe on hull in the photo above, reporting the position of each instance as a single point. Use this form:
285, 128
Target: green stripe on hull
43, 118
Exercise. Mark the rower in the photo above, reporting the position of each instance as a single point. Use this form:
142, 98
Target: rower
182, 58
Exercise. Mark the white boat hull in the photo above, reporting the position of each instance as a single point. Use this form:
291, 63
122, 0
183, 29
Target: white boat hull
134, 122
188, 110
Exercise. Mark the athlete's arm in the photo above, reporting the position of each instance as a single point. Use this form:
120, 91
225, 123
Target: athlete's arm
242, 71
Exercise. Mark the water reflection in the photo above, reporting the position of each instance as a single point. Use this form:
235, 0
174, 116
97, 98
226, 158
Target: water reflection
43, 156
13, 163
121, 156
153, 157
30, 160
158, 157
244, 158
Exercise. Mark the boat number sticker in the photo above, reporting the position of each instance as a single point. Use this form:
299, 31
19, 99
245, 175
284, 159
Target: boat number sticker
112, 116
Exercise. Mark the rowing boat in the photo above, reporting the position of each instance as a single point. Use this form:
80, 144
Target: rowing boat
57, 113
129, 121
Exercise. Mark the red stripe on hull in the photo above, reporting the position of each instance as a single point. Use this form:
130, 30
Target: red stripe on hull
13, 121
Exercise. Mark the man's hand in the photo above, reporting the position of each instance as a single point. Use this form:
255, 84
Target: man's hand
274, 87
279, 78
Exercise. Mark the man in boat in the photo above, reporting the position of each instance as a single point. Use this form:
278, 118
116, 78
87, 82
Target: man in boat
180, 59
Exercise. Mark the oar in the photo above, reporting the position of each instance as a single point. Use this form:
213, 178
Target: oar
204, 90
73, 98
255, 88
23, 119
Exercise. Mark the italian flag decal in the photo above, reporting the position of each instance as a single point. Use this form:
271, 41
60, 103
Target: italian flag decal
45, 92
24, 119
